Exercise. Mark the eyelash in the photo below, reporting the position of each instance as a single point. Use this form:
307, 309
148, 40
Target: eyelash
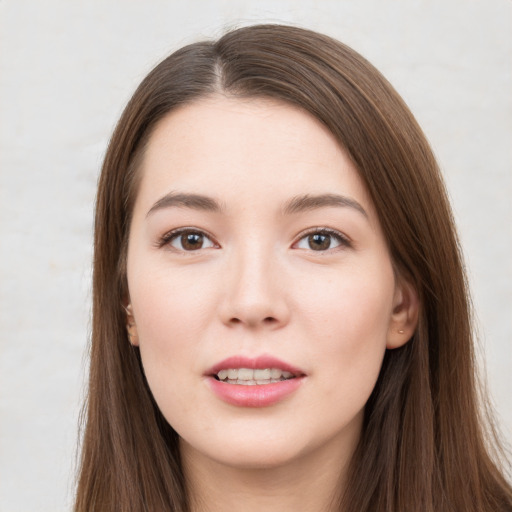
342, 240
171, 235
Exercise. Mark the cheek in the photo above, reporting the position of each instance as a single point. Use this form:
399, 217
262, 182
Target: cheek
169, 325
350, 300
174, 311
171, 301
350, 316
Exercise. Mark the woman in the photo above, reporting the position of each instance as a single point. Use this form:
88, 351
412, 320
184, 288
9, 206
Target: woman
280, 318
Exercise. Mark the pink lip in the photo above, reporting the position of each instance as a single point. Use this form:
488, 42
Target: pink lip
258, 395
263, 361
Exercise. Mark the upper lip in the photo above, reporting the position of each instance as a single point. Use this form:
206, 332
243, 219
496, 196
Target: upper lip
254, 363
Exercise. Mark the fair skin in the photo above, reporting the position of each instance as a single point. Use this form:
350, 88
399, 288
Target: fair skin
312, 286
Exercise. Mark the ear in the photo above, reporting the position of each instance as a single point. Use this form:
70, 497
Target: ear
404, 318
131, 326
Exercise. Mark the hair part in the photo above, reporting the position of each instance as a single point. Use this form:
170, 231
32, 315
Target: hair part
423, 443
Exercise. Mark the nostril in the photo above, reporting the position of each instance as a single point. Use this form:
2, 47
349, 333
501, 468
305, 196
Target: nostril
267, 320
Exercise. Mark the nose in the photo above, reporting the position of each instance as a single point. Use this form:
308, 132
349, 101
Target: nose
254, 295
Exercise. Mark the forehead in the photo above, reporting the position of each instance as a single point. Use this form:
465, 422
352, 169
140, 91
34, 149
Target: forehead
242, 150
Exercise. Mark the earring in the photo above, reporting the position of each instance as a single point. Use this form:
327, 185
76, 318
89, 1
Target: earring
401, 331
132, 336
131, 328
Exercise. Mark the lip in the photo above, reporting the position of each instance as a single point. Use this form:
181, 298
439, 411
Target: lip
253, 363
262, 395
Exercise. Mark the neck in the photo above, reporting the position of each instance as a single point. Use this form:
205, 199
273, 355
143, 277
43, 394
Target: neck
305, 484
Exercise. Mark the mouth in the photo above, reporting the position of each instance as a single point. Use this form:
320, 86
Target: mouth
253, 377
254, 382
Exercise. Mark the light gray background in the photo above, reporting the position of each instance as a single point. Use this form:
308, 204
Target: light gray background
66, 70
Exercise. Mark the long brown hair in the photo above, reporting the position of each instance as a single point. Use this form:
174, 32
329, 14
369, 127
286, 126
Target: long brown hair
424, 445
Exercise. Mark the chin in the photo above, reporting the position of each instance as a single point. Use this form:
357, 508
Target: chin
246, 451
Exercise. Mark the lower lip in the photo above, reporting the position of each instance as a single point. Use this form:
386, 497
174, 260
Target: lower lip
258, 395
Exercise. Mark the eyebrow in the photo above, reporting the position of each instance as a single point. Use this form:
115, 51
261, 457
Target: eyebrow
308, 202
181, 200
295, 205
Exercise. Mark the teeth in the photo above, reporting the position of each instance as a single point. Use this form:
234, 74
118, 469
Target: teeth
261, 374
244, 374
275, 373
249, 377
251, 382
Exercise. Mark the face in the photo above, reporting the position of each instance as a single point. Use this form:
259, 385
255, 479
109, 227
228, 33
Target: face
260, 283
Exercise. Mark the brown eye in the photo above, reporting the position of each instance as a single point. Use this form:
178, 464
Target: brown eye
319, 242
322, 240
189, 241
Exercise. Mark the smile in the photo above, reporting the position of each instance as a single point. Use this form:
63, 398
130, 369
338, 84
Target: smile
254, 382
252, 377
